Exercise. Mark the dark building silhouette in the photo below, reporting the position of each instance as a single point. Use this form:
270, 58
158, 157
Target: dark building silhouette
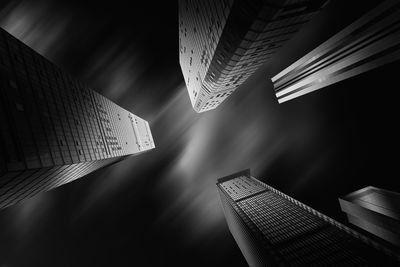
273, 229
222, 43
375, 210
53, 128
369, 42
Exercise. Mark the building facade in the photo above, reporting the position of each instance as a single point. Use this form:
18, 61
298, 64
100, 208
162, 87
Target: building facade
375, 210
222, 43
273, 229
53, 128
369, 42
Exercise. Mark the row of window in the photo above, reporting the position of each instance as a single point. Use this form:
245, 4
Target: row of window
58, 90
30, 183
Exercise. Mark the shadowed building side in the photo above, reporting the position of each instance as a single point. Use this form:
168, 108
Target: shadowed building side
370, 42
375, 210
222, 43
53, 128
273, 229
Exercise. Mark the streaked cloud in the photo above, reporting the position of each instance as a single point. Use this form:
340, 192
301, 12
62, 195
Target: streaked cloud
31, 23
249, 130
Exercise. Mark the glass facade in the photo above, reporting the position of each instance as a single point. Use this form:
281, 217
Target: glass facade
54, 129
273, 229
371, 41
222, 43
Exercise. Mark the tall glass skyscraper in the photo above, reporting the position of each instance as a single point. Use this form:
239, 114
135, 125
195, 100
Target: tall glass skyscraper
371, 41
53, 128
222, 43
273, 229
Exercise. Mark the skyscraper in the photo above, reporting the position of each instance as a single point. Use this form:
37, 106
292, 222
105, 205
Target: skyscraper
375, 210
369, 42
222, 43
53, 128
273, 229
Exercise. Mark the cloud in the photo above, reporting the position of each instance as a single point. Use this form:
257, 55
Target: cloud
235, 136
30, 22
115, 68
249, 130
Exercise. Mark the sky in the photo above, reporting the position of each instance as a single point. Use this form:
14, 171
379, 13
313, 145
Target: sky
162, 208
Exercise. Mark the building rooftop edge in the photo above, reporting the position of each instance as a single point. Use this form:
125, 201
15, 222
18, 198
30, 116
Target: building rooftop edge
245, 172
366, 190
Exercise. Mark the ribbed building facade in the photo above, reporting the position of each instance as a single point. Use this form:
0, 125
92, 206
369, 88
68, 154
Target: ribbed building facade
371, 41
53, 128
273, 229
222, 43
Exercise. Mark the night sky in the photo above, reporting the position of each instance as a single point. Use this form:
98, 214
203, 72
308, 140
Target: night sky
162, 208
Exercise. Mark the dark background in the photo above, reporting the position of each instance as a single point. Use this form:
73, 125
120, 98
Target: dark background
162, 208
